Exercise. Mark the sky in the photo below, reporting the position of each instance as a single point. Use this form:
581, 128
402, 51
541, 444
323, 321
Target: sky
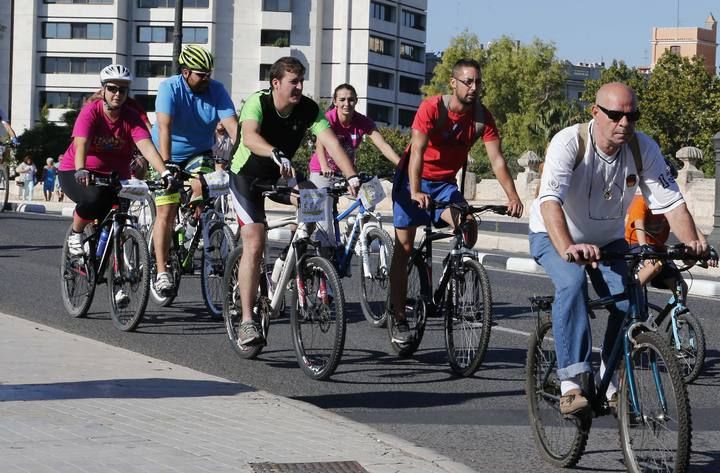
582, 31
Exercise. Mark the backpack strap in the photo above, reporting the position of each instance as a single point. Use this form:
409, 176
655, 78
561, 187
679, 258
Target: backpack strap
478, 118
582, 145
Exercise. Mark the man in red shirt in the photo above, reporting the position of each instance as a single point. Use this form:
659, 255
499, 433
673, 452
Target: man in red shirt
439, 146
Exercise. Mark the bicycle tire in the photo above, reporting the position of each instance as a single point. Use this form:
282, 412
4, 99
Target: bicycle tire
561, 440
418, 293
174, 266
77, 280
145, 211
4, 186
134, 280
232, 309
468, 322
650, 349
220, 242
318, 330
691, 354
374, 286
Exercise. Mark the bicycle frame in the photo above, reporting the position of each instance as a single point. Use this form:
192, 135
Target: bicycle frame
115, 220
344, 253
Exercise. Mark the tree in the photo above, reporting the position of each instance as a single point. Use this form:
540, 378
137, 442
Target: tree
617, 72
557, 115
465, 45
370, 160
44, 140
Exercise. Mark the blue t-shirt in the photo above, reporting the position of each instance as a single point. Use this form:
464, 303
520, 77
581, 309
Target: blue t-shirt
194, 116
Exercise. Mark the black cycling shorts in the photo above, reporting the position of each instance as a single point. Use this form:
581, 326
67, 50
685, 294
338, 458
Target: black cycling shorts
91, 202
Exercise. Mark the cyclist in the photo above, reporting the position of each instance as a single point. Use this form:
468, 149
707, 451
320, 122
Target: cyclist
580, 211
438, 150
103, 136
9, 129
273, 125
188, 107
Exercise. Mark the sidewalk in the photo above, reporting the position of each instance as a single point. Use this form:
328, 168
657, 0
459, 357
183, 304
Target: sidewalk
71, 404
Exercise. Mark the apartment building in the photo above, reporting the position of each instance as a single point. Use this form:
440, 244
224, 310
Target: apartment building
687, 42
52, 50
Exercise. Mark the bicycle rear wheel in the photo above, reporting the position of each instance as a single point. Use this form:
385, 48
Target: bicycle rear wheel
4, 186
214, 254
468, 318
689, 345
418, 292
658, 437
319, 326
232, 308
374, 283
77, 279
561, 440
129, 280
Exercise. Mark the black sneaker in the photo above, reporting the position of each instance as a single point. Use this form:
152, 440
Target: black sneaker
401, 332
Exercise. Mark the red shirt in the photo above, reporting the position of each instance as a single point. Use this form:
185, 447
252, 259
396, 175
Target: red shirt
448, 147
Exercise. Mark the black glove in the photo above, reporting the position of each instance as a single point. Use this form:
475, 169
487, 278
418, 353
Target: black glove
173, 168
171, 184
82, 176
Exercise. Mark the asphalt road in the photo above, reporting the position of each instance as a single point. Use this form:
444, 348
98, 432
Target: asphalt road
480, 421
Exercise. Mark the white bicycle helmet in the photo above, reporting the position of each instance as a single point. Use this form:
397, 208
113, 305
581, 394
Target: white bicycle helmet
115, 73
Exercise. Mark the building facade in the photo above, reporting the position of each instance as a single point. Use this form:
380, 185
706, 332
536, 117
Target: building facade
52, 50
687, 42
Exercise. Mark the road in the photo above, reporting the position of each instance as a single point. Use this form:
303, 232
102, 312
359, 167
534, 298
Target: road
480, 421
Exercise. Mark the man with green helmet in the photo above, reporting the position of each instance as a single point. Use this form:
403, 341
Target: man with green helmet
188, 107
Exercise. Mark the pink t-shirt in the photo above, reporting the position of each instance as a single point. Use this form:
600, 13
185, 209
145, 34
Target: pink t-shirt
349, 137
110, 144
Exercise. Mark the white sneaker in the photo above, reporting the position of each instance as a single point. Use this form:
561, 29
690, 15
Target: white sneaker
164, 284
121, 299
75, 244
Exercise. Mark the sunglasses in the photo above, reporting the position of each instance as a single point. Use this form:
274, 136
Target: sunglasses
114, 89
202, 75
470, 82
616, 115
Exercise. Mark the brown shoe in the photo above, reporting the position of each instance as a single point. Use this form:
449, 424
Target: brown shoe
573, 402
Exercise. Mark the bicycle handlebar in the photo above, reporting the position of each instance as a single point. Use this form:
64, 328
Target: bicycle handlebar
675, 252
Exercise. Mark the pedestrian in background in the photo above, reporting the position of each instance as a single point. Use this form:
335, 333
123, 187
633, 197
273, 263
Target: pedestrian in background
58, 189
27, 171
49, 177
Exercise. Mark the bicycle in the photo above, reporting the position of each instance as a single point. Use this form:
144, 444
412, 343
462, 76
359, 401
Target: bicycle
651, 399
317, 301
113, 246
463, 294
375, 249
5, 174
214, 237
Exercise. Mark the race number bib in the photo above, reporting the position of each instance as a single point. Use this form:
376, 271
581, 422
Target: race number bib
218, 183
133, 189
371, 193
313, 205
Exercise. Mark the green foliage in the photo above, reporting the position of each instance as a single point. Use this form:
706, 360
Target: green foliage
370, 160
617, 72
302, 156
557, 114
465, 45
45, 140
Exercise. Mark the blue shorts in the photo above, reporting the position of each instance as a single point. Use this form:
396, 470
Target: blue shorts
406, 212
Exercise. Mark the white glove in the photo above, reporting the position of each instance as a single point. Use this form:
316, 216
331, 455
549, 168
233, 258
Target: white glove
282, 161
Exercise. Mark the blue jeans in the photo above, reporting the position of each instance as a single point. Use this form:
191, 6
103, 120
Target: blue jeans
571, 322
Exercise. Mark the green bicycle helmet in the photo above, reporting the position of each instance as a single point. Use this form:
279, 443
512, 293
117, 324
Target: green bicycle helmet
196, 58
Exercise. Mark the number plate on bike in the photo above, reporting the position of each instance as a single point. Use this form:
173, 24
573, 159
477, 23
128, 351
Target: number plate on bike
313, 205
133, 189
218, 183
372, 193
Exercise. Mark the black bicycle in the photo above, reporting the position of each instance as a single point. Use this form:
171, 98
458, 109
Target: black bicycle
463, 294
5, 174
115, 253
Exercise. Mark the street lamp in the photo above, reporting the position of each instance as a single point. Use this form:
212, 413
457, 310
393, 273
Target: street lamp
714, 237
177, 35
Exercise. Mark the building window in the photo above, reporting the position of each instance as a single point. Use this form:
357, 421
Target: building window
675, 50
265, 72
163, 34
146, 101
63, 99
171, 4
413, 20
276, 5
153, 68
379, 113
411, 52
84, 2
380, 79
406, 117
73, 65
381, 45
383, 12
276, 38
77, 30
410, 85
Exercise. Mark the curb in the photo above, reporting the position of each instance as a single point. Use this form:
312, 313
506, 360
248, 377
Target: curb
27, 208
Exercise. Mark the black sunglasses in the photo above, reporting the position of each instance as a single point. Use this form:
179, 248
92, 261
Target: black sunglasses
616, 115
469, 82
114, 89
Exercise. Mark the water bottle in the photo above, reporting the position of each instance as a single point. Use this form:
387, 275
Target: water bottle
190, 233
102, 242
277, 269
180, 235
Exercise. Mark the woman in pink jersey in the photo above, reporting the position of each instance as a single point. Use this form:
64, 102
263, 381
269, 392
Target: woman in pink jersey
103, 138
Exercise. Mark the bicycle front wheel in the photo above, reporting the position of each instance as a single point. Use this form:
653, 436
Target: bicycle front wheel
656, 434
468, 318
688, 338
418, 292
4, 186
214, 254
77, 279
317, 318
129, 277
561, 440
375, 276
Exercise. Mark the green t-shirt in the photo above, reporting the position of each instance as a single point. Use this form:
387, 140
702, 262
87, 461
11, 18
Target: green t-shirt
284, 133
